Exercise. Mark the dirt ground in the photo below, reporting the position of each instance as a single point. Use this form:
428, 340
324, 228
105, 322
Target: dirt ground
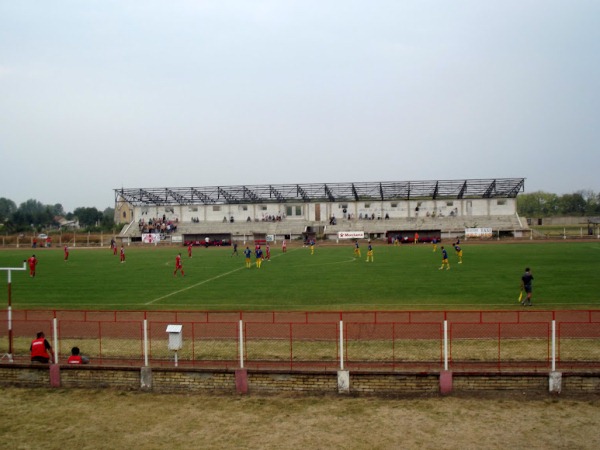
85, 419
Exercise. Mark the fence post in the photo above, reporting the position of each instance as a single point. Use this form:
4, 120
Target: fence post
54, 369
445, 375
146, 342
555, 379
241, 339
146, 371
241, 374
553, 345
343, 376
445, 345
55, 332
341, 345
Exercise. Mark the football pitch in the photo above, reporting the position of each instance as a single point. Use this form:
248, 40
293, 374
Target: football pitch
405, 277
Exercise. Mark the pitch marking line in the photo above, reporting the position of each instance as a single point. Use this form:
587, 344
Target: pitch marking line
194, 285
200, 283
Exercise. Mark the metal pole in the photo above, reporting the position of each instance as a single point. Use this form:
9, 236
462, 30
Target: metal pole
55, 332
341, 345
445, 345
9, 270
146, 342
241, 340
553, 345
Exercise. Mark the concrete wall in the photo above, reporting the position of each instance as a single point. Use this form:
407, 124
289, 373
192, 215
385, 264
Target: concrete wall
272, 382
322, 211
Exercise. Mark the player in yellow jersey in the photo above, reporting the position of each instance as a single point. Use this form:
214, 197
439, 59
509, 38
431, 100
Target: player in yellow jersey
445, 261
356, 249
259, 257
247, 254
458, 251
370, 253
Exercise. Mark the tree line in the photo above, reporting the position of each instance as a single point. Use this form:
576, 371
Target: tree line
545, 204
33, 215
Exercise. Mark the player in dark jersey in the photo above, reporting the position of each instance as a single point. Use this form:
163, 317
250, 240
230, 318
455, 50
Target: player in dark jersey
526, 285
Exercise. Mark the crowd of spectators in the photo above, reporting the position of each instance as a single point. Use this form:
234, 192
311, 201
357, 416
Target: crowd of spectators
268, 218
158, 225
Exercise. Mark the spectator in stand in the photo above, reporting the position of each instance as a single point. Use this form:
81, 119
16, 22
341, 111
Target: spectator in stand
41, 350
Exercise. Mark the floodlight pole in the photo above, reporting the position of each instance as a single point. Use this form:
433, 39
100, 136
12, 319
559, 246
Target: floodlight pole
9, 270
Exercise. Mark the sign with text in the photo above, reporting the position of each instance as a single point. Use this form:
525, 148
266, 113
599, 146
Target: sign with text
351, 234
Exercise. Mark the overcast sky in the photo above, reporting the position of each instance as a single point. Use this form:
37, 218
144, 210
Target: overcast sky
99, 94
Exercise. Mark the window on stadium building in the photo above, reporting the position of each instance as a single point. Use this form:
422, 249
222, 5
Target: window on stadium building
292, 211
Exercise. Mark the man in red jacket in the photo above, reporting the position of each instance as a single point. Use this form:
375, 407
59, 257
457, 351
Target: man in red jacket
41, 350
76, 357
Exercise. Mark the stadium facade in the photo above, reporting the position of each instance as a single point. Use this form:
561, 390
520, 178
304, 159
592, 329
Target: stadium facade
325, 208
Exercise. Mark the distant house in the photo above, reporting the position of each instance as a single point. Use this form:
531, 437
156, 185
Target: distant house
66, 224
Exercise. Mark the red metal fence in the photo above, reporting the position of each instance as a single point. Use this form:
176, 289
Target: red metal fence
367, 340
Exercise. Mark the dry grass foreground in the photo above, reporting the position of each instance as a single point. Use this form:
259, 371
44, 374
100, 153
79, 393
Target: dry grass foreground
84, 419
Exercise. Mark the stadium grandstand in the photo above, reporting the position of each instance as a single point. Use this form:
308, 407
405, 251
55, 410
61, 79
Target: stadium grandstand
375, 210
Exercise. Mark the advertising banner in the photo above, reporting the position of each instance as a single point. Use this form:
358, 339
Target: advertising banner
351, 234
150, 238
478, 232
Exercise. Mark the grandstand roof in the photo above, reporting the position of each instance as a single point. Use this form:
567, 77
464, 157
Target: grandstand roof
329, 192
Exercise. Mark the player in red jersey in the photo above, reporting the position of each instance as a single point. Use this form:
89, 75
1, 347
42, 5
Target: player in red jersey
66, 252
32, 265
122, 254
190, 250
178, 266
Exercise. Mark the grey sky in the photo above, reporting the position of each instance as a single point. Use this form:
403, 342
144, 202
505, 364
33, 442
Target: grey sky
95, 95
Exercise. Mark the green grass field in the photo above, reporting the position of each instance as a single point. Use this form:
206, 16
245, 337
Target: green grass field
405, 277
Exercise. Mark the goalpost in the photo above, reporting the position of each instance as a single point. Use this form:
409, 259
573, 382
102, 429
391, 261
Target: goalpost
9, 355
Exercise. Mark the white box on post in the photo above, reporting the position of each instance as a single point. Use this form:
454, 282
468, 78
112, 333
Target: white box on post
175, 339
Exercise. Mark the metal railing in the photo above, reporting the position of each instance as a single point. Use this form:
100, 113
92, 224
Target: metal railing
296, 341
